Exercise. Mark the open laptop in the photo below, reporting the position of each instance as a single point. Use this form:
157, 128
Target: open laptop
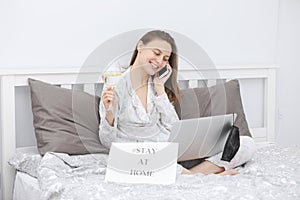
201, 137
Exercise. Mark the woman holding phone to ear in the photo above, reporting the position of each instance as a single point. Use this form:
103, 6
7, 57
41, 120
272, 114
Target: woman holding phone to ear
141, 106
141, 101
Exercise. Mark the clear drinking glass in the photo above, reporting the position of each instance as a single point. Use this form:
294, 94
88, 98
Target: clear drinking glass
111, 78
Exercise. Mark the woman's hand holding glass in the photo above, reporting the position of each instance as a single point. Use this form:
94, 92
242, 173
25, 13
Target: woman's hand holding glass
110, 78
108, 99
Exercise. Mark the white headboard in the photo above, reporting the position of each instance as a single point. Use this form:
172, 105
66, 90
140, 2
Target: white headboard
188, 76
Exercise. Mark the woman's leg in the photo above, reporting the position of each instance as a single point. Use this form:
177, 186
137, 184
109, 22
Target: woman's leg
244, 154
215, 165
186, 171
207, 167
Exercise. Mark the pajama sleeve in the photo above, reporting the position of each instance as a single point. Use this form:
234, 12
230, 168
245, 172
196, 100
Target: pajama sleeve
167, 111
108, 133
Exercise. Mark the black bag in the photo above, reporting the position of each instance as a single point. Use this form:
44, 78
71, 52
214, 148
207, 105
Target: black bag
232, 144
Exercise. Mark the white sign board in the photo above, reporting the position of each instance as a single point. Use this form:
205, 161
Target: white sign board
144, 162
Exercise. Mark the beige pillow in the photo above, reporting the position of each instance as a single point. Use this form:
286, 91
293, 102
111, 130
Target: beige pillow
65, 120
216, 100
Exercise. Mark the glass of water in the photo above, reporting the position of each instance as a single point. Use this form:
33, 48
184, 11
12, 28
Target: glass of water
111, 78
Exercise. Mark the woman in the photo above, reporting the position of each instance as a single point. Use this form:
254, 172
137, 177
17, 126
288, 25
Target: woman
141, 106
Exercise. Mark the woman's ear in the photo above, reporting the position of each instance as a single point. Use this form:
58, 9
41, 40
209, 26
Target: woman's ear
140, 45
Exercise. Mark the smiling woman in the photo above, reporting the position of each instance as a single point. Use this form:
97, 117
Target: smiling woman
153, 56
143, 103
142, 94
158, 48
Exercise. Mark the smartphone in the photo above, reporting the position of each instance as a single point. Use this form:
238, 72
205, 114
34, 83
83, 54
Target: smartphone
163, 72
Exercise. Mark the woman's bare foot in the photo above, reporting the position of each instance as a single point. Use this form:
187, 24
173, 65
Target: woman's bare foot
229, 172
207, 167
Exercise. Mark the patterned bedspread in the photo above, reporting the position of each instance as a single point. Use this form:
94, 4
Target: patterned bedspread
273, 173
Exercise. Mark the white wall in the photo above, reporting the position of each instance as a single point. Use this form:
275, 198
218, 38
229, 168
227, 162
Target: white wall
63, 33
288, 57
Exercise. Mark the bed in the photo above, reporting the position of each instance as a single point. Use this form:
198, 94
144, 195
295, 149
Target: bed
257, 178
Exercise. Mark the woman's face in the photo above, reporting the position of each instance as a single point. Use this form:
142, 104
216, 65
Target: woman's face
154, 55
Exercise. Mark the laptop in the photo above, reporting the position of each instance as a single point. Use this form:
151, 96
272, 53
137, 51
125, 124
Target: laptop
201, 137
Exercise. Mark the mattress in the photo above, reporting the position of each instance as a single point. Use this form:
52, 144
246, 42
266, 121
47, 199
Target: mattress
26, 187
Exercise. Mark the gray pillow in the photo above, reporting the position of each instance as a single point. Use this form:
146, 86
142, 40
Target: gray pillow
65, 121
216, 100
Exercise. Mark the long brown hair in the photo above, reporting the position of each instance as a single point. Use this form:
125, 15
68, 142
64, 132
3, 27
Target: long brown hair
171, 85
